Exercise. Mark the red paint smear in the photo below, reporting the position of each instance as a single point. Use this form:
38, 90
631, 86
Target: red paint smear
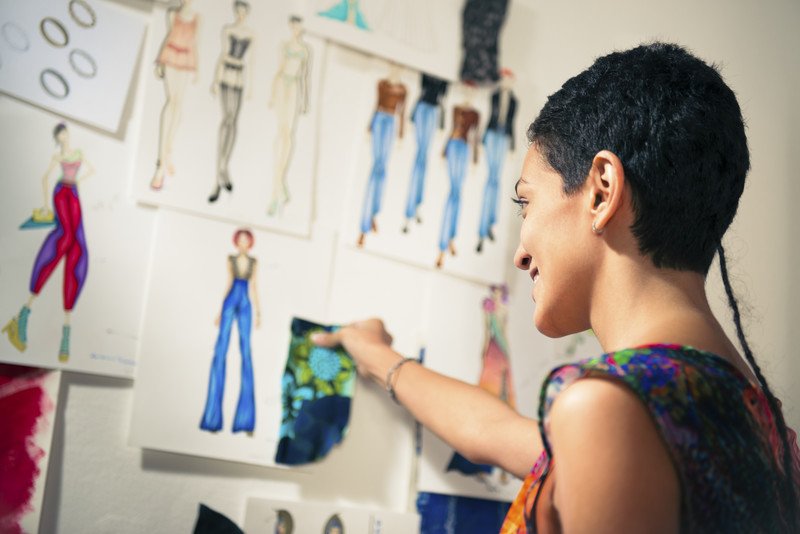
20, 411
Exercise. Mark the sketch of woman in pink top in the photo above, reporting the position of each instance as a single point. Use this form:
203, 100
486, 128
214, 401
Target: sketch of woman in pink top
176, 65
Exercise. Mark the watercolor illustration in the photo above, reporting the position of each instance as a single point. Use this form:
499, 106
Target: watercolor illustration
241, 298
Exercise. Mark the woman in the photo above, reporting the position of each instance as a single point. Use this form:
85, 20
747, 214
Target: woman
66, 241
242, 269
634, 173
229, 80
289, 98
176, 65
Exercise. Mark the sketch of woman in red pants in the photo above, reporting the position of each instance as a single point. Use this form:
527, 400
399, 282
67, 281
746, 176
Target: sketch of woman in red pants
66, 241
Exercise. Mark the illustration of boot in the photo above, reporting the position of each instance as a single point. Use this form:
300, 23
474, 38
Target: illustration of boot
63, 353
17, 329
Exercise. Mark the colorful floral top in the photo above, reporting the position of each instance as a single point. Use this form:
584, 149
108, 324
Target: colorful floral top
716, 424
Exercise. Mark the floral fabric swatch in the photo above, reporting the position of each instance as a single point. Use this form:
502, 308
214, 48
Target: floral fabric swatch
318, 384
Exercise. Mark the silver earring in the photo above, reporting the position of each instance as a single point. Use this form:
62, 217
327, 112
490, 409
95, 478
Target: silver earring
595, 230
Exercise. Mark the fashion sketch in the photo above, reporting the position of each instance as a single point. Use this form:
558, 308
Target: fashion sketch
66, 241
348, 11
497, 141
496, 372
232, 77
465, 131
242, 290
427, 113
284, 523
391, 105
176, 64
289, 99
482, 21
334, 525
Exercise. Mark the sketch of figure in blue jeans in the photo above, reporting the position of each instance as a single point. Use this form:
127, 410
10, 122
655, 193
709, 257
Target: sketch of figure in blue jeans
497, 140
242, 269
391, 103
425, 115
465, 125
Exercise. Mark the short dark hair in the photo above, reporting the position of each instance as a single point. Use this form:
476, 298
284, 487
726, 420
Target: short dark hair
295, 18
241, 3
60, 127
678, 130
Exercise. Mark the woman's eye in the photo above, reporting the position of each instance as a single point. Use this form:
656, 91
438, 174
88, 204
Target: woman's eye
521, 203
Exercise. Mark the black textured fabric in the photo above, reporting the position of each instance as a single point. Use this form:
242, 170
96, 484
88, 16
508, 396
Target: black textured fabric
482, 22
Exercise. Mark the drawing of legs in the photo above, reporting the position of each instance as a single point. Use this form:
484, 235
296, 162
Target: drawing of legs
66, 240
382, 137
425, 122
286, 111
496, 144
236, 306
231, 99
456, 152
175, 81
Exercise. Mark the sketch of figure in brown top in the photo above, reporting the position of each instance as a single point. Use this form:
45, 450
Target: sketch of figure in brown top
391, 104
465, 132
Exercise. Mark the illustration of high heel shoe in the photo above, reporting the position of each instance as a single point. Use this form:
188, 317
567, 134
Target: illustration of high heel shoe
63, 352
214, 194
158, 178
17, 329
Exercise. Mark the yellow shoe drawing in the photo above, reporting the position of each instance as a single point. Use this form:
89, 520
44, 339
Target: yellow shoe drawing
12, 330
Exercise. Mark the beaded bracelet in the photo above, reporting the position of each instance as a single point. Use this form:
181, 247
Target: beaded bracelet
390, 375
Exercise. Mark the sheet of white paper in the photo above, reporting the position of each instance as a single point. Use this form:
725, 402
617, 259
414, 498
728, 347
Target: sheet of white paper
253, 165
96, 64
189, 282
262, 516
106, 318
425, 36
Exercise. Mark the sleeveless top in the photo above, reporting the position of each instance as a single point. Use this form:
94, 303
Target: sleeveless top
70, 167
715, 423
235, 266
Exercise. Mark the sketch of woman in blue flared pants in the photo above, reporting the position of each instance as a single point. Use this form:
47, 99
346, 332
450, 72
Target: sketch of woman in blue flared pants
237, 306
391, 102
425, 115
497, 140
465, 123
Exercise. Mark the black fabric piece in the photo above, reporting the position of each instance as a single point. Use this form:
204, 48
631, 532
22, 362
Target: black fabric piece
212, 522
433, 89
482, 21
508, 123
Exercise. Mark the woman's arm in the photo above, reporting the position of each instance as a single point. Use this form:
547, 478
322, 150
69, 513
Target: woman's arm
254, 292
220, 61
228, 290
480, 426
87, 168
45, 189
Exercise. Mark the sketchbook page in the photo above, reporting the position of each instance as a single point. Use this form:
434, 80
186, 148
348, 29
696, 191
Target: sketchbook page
504, 367
229, 125
268, 515
177, 387
28, 399
78, 74
376, 204
425, 36
97, 269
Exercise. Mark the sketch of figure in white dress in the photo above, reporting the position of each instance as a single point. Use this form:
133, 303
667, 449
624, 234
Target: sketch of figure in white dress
289, 99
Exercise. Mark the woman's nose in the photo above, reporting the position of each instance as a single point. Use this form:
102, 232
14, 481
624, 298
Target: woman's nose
522, 259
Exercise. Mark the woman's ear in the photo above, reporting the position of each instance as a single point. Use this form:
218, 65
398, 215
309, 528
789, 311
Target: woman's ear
605, 185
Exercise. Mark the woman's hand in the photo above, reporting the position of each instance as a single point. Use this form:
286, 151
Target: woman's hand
367, 342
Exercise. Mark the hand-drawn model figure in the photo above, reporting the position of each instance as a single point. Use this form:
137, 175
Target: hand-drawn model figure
348, 11
482, 21
233, 65
391, 103
289, 98
497, 141
242, 269
67, 240
496, 373
465, 129
284, 523
426, 112
334, 525
176, 64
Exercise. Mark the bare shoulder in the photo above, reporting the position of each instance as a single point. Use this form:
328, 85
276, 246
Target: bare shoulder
613, 468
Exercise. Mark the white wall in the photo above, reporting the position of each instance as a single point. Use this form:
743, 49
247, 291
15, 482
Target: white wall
98, 484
